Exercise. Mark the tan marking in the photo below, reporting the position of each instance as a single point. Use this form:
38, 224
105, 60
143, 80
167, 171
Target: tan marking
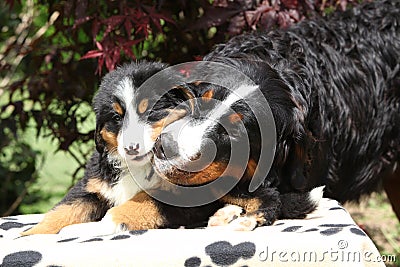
197, 83
110, 138
248, 204
189, 95
251, 168
61, 216
138, 213
174, 115
299, 151
117, 107
235, 117
96, 186
208, 174
208, 95
143, 105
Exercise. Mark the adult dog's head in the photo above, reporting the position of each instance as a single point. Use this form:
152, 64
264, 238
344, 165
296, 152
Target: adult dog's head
213, 139
223, 135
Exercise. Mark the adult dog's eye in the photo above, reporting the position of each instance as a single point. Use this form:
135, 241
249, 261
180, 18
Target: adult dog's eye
117, 117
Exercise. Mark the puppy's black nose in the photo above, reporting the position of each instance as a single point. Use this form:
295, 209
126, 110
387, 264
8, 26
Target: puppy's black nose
132, 149
166, 147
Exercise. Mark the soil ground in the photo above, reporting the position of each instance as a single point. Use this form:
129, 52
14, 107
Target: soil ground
376, 217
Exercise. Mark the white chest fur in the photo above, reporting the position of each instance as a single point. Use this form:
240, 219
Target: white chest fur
130, 183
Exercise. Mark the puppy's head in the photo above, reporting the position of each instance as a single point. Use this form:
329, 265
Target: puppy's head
128, 120
212, 140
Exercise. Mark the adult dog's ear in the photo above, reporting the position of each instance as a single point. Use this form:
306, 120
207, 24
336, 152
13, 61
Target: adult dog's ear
293, 137
184, 93
295, 167
298, 146
291, 158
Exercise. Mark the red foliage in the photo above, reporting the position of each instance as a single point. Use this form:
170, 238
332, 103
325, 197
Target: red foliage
134, 22
119, 33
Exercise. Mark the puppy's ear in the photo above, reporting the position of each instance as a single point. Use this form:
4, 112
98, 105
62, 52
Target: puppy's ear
98, 139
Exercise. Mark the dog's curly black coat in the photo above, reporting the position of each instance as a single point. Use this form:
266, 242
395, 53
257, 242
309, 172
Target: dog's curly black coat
333, 86
334, 89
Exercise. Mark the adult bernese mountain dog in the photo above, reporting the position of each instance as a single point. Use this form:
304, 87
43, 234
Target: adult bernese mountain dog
333, 86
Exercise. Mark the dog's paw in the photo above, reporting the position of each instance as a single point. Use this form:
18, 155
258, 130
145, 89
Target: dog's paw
225, 215
104, 227
243, 223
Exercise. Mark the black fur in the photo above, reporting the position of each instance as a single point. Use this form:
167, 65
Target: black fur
334, 89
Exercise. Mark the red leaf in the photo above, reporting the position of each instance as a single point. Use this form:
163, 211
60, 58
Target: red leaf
284, 19
99, 46
237, 24
343, 4
294, 14
153, 13
291, 4
268, 19
100, 63
112, 23
198, 58
112, 57
92, 54
142, 27
128, 27
127, 47
252, 17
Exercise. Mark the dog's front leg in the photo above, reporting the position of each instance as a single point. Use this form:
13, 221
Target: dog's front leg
78, 211
139, 213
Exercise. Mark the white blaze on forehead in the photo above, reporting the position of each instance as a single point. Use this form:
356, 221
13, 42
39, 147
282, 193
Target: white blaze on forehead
190, 136
133, 129
125, 90
226, 105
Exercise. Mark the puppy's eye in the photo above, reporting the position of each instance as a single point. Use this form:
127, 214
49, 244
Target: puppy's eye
117, 117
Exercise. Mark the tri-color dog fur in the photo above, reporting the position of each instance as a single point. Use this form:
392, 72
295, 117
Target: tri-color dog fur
334, 90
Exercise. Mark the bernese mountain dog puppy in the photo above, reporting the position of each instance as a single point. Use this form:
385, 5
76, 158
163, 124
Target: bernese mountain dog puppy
333, 87
107, 181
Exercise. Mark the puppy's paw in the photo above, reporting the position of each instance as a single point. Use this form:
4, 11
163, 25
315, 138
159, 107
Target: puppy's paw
104, 227
225, 215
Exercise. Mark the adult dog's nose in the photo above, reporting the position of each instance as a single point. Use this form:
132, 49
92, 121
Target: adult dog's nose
132, 149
